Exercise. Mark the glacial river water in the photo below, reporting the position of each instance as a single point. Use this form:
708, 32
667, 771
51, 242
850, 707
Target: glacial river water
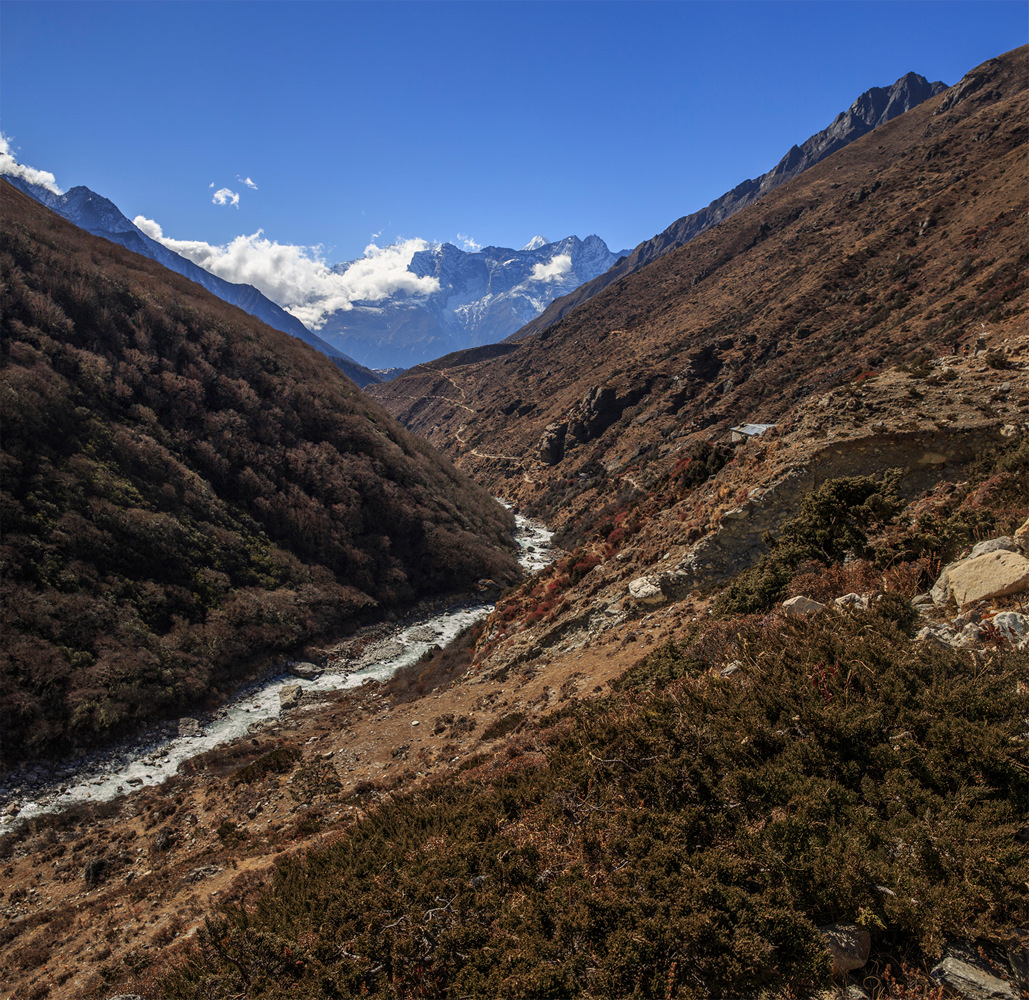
153, 758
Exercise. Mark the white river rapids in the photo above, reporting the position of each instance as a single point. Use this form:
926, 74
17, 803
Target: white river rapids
34, 790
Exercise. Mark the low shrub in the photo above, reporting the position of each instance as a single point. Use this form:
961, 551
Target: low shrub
277, 761
832, 525
505, 724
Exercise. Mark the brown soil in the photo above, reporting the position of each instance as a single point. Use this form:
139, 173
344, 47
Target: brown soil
64, 939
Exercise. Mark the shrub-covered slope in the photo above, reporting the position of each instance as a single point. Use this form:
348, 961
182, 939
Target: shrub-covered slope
186, 490
683, 837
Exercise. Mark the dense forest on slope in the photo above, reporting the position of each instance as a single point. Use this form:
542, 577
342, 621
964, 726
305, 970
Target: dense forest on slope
186, 490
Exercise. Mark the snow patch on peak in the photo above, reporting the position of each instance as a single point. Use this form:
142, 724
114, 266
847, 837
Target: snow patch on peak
535, 243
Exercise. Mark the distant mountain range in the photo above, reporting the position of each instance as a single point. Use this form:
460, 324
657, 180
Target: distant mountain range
491, 294
873, 108
484, 296
101, 217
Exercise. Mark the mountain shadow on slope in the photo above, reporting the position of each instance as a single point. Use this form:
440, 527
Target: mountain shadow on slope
187, 492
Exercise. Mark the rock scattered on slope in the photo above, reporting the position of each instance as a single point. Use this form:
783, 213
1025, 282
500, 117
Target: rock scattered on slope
996, 573
848, 946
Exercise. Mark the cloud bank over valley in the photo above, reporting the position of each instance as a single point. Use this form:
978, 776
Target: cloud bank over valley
298, 278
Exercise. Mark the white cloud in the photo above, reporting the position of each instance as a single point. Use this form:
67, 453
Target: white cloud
556, 269
12, 168
469, 244
223, 196
298, 278
247, 181
148, 226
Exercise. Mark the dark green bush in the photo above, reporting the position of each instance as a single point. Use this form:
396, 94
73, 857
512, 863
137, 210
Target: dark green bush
833, 523
277, 761
505, 724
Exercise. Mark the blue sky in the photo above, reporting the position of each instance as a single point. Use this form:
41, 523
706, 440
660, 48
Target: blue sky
485, 121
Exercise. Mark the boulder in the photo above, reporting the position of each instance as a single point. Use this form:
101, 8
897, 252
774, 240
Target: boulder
190, 727
995, 574
848, 946
1022, 538
1003, 544
971, 981
307, 671
290, 695
647, 590
800, 606
552, 443
851, 601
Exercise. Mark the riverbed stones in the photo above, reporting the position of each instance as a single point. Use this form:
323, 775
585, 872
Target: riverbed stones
423, 633
848, 946
290, 695
380, 652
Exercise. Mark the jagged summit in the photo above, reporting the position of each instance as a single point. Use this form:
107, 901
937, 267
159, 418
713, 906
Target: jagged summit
873, 108
483, 296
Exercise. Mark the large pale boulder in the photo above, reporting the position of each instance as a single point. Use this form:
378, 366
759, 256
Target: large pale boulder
647, 590
995, 574
802, 606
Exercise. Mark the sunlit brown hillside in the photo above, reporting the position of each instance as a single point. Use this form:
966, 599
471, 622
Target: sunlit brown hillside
905, 245
641, 775
186, 491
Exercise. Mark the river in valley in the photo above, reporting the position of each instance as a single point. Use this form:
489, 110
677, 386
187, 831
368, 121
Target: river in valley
38, 789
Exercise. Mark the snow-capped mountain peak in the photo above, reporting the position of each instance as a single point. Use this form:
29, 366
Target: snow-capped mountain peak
480, 298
